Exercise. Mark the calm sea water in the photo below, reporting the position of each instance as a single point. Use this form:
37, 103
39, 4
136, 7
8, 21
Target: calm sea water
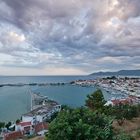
15, 101
39, 79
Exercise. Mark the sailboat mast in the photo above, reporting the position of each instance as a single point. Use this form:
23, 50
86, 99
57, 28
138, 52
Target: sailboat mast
31, 100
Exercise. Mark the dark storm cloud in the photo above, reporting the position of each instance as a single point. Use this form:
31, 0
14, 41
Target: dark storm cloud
83, 33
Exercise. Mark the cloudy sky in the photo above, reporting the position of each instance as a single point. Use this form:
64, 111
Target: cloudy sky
60, 37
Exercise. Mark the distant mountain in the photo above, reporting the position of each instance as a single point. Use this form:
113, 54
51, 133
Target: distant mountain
118, 73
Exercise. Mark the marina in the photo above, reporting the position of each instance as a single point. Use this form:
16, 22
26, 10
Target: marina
42, 108
115, 85
35, 122
15, 100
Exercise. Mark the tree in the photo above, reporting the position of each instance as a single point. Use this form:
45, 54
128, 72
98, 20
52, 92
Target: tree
17, 121
95, 101
130, 112
81, 124
122, 112
2, 124
8, 125
118, 112
123, 136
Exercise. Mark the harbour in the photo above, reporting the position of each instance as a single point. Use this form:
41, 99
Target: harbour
34, 122
15, 100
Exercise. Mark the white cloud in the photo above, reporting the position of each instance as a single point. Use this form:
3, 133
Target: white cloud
16, 37
71, 34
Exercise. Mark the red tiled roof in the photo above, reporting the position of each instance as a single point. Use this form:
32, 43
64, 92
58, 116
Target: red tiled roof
41, 126
115, 102
125, 101
25, 123
132, 97
27, 128
13, 135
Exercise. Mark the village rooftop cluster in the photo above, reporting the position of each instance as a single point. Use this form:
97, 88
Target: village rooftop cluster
34, 122
128, 87
125, 85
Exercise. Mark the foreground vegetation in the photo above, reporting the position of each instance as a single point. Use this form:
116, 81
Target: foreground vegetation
80, 124
93, 122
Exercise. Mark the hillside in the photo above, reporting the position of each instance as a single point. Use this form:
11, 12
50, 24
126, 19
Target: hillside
118, 73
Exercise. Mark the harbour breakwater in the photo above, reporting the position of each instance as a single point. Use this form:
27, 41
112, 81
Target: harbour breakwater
32, 84
113, 85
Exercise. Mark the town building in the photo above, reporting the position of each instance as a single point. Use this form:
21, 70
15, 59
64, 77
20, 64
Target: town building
42, 113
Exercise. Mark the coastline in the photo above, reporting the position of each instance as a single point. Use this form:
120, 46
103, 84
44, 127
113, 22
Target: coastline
14, 97
114, 85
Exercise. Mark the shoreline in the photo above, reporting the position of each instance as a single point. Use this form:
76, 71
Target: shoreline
112, 85
102, 83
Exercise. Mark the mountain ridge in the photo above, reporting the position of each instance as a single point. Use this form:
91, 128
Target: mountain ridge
118, 73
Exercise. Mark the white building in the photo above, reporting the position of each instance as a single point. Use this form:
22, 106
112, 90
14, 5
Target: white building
42, 113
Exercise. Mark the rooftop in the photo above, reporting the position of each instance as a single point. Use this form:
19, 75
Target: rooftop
25, 124
44, 109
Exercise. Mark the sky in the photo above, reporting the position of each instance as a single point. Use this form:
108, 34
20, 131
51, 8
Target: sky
74, 37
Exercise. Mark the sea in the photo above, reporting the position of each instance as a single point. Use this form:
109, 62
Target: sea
16, 100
